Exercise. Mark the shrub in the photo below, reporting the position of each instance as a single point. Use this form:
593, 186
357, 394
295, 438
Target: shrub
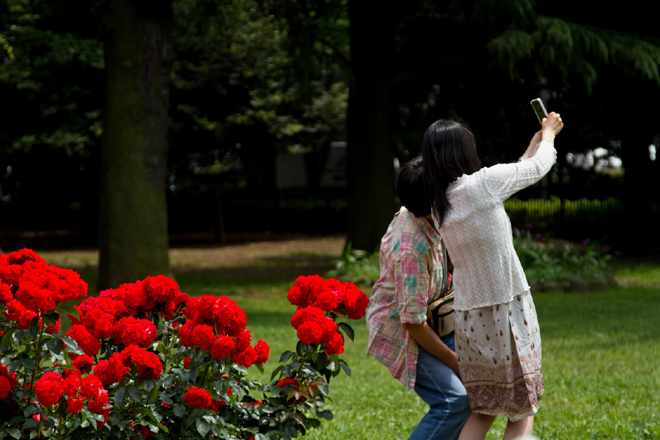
358, 266
146, 360
560, 261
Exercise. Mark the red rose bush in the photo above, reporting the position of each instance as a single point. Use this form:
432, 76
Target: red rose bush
146, 360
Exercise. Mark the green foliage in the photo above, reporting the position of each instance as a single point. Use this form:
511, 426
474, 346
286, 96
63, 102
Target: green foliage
559, 262
357, 266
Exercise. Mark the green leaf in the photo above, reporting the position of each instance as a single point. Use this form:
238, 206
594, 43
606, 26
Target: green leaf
30, 410
55, 345
345, 367
14, 366
275, 371
72, 345
28, 363
202, 427
30, 423
285, 356
6, 338
178, 411
327, 415
135, 393
15, 432
154, 393
299, 348
347, 329
33, 330
119, 397
260, 436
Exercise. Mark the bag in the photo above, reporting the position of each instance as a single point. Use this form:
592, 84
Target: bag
440, 312
440, 315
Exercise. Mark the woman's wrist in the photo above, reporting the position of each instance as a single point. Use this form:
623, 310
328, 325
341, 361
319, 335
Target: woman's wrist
548, 136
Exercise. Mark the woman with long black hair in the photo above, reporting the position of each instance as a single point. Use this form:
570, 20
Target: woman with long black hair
497, 335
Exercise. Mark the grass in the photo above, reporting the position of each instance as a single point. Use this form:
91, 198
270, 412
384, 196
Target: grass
599, 351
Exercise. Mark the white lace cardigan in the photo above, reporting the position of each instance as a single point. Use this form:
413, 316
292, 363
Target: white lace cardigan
477, 231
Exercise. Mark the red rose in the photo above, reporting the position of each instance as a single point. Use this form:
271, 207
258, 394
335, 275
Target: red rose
355, 301
200, 310
222, 347
4, 372
287, 381
5, 387
112, 370
160, 289
203, 336
185, 334
308, 288
229, 319
131, 331
99, 403
197, 398
245, 358
71, 385
146, 364
91, 386
263, 351
48, 389
311, 313
83, 364
133, 295
52, 329
34, 298
74, 404
329, 328
310, 333
101, 324
243, 341
5, 293
145, 432
16, 312
335, 345
186, 362
327, 300
296, 297
86, 341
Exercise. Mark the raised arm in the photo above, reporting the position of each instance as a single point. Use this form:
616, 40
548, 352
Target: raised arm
504, 180
551, 126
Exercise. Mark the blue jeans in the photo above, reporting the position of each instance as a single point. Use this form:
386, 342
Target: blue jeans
440, 387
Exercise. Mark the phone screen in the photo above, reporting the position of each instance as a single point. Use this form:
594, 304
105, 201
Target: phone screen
539, 109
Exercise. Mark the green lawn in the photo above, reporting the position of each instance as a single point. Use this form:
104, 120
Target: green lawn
600, 358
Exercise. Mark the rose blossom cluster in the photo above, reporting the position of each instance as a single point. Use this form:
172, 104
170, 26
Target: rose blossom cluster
115, 313
29, 287
328, 295
7, 382
217, 325
51, 388
315, 296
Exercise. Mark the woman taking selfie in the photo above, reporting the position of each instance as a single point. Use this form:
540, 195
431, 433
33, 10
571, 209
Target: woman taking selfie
497, 335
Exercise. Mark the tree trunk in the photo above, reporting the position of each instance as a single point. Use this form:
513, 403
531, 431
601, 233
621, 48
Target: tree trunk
133, 239
370, 146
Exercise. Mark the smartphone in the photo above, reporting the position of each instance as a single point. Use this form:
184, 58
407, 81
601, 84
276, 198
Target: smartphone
539, 109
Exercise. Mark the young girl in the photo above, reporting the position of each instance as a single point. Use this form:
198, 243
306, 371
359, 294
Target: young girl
497, 336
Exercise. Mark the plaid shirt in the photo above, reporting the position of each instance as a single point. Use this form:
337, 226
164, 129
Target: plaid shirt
410, 273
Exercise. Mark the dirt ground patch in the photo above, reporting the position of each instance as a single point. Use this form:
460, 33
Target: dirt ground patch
267, 254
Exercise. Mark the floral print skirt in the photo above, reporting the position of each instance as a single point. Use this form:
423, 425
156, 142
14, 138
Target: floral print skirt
499, 355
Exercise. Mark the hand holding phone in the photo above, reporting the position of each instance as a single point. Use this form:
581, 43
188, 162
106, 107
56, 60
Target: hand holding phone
539, 109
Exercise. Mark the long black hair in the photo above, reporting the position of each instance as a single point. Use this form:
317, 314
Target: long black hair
449, 151
413, 190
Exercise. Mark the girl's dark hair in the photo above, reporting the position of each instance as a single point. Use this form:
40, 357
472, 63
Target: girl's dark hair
412, 189
449, 151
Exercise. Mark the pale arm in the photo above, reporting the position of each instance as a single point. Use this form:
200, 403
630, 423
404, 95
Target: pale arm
426, 337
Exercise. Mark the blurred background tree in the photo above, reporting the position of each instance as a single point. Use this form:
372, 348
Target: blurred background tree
252, 80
